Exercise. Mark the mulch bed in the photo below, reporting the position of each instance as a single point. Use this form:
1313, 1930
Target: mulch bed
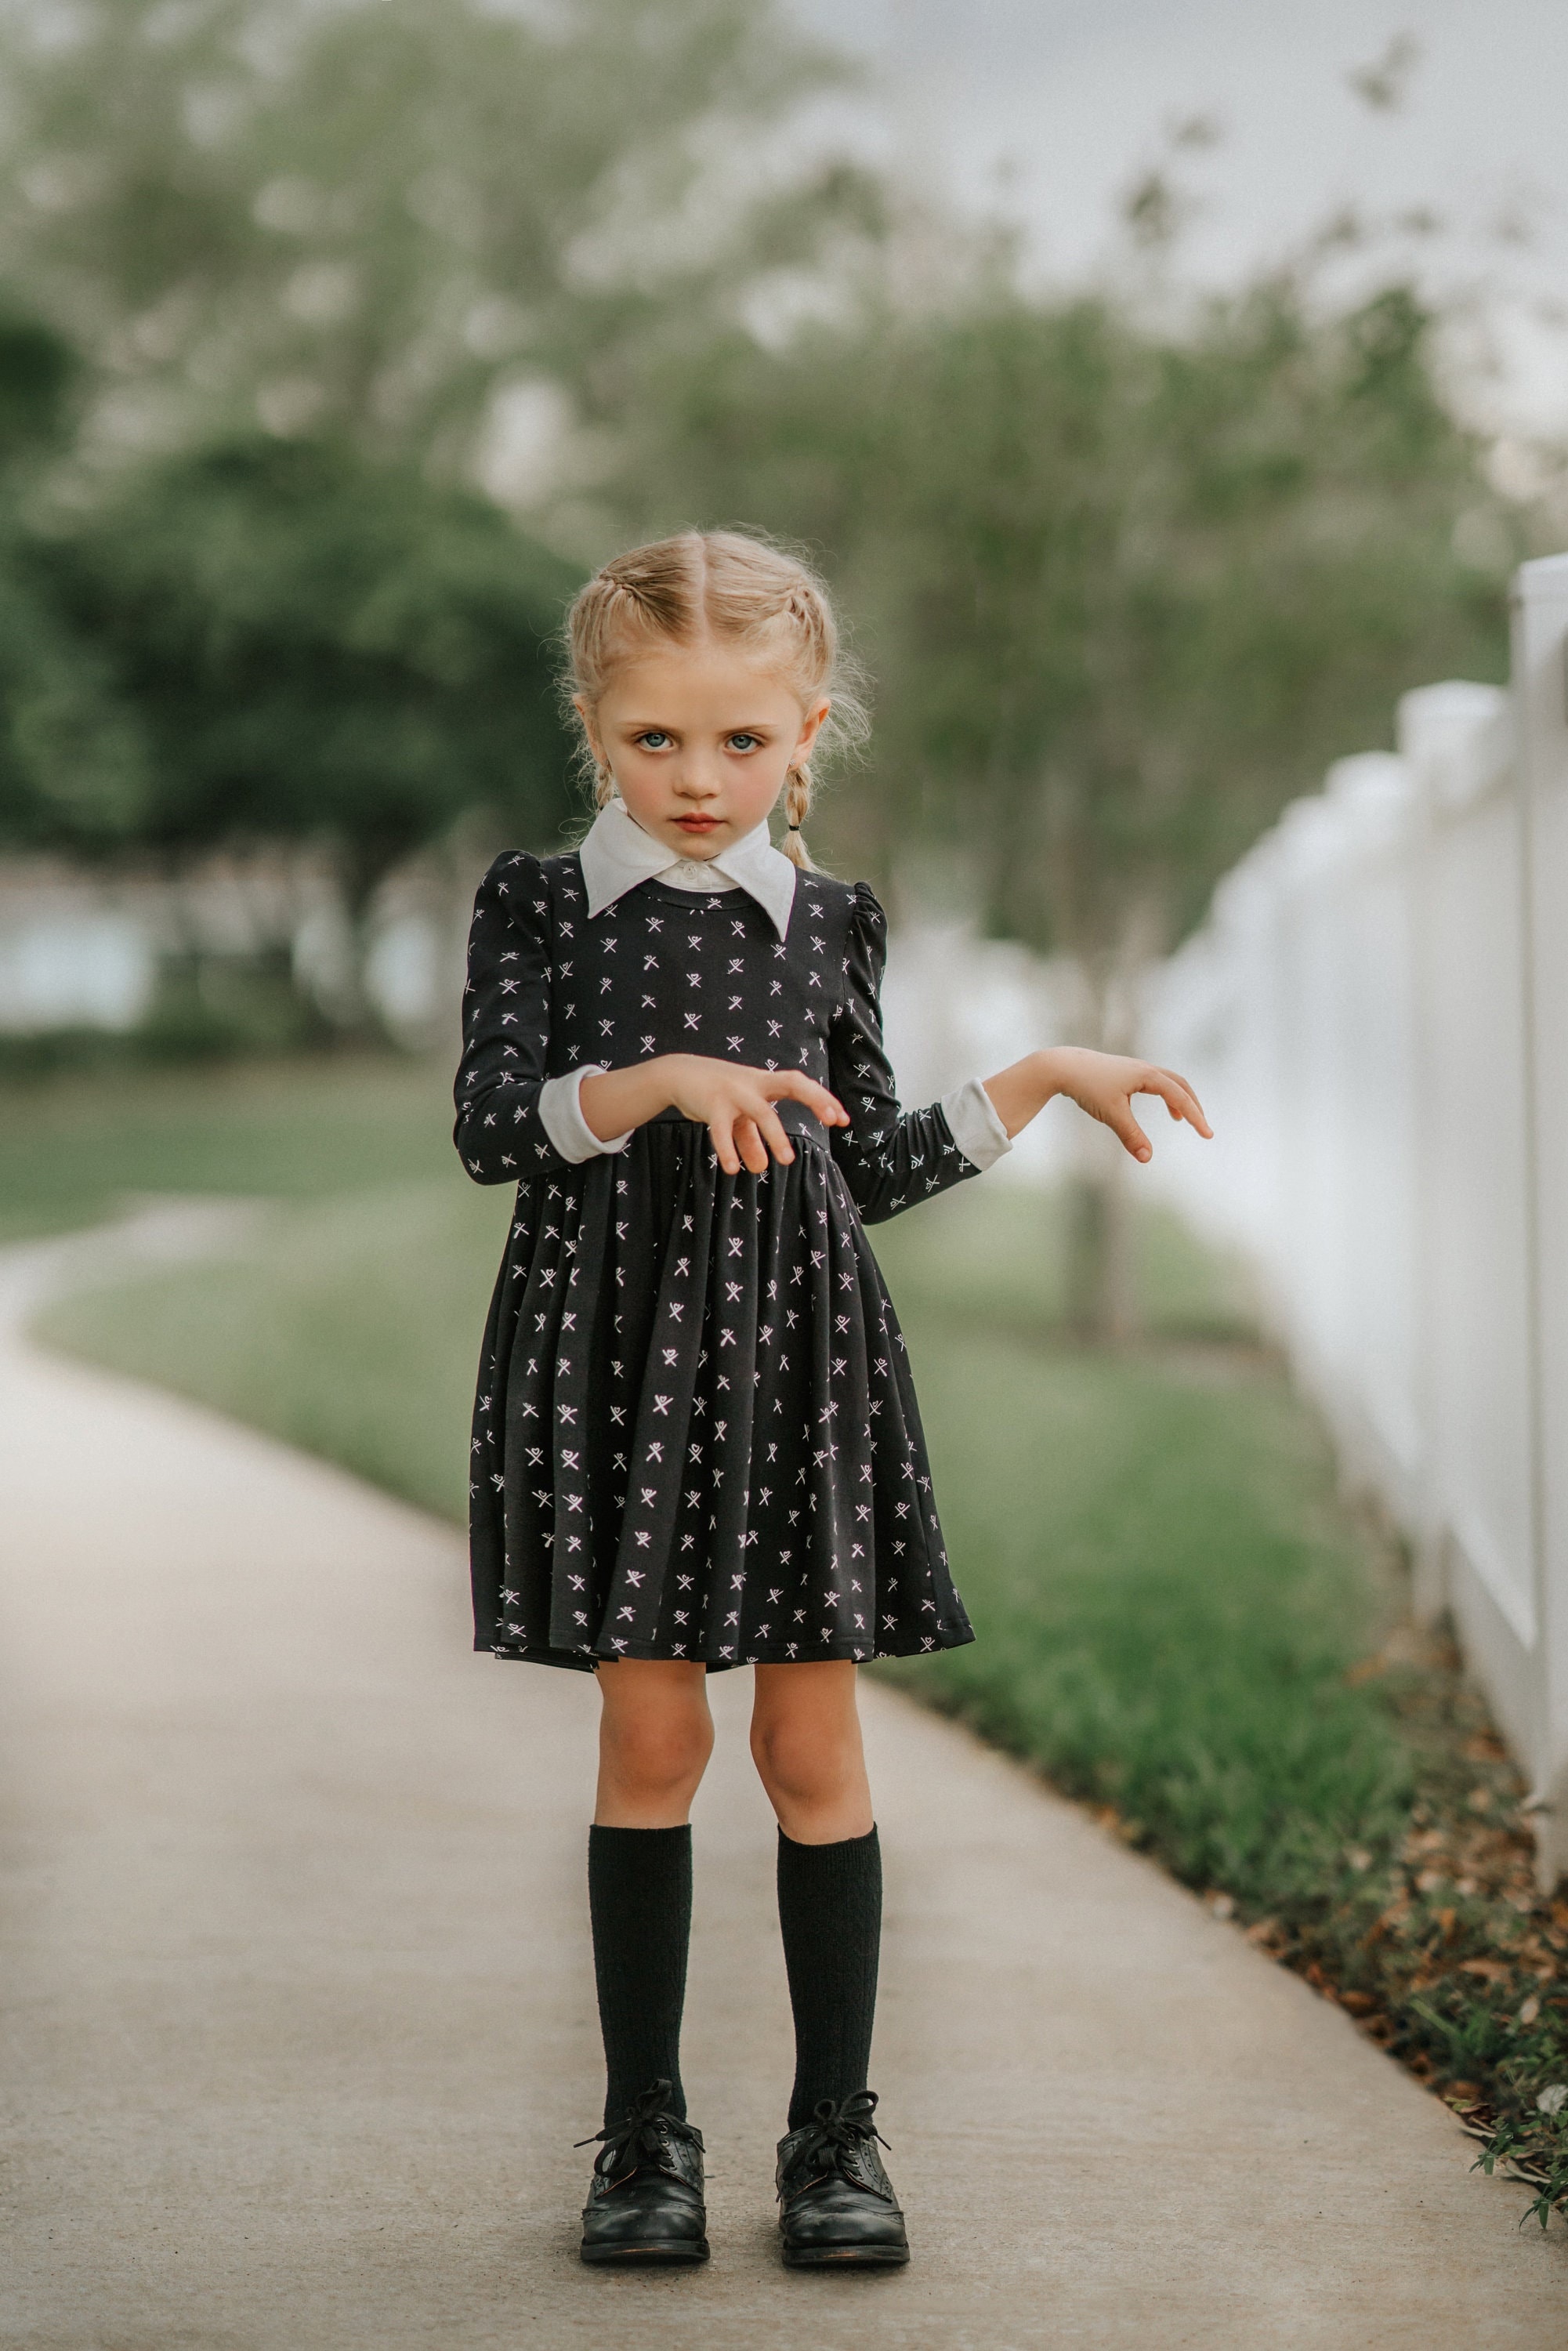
1441, 1945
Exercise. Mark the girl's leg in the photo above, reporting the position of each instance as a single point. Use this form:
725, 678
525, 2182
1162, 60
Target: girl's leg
655, 1736
806, 1742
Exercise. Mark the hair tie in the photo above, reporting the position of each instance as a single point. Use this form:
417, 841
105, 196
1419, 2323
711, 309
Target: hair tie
794, 827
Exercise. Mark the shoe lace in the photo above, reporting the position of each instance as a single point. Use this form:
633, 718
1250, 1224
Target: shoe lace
837, 2126
641, 2136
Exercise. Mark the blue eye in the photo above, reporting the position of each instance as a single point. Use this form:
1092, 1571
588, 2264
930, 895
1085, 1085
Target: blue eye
743, 742
653, 740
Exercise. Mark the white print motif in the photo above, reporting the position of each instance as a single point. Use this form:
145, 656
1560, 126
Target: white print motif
750, 1379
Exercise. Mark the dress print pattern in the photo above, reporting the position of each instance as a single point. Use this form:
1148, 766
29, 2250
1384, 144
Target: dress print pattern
696, 1434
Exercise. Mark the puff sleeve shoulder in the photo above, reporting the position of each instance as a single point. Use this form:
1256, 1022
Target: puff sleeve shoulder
506, 1028
890, 1159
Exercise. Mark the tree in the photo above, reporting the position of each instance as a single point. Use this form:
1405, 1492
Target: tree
1126, 587
323, 648
366, 217
73, 772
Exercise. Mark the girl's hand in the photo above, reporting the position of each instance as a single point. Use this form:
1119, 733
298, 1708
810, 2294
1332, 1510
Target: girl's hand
733, 1102
735, 1105
1101, 1083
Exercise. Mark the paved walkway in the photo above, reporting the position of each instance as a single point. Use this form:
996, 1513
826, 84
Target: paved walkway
298, 2014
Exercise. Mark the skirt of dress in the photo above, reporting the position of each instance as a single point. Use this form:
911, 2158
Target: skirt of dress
695, 1434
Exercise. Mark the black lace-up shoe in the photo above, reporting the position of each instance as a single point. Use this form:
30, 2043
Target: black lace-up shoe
645, 2201
836, 2205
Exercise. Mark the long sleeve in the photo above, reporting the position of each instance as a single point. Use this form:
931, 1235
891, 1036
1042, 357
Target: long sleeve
891, 1158
506, 1028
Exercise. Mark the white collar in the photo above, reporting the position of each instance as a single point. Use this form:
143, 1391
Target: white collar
617, 854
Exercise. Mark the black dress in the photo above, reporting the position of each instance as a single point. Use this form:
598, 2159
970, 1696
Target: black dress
696, 1434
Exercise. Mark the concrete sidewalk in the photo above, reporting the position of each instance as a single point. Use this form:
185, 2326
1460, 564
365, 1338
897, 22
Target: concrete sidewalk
298, 2016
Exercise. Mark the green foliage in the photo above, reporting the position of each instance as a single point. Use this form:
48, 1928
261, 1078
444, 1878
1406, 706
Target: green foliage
38, 371
1126, 588
319, 646
365, 217
71, 757
1129, 576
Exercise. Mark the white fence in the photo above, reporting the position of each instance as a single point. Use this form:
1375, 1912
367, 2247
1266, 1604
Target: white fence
1376, 1017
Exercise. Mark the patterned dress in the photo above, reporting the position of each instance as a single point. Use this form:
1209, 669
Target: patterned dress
696, 1434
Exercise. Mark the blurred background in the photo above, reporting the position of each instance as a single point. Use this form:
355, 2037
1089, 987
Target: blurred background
1171, 394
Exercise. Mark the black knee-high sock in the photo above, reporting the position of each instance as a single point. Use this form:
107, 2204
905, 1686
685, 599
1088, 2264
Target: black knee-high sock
830, 1908
640, 1901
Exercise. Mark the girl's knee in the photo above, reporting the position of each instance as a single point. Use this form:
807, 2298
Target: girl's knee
803, 1762
658, 1750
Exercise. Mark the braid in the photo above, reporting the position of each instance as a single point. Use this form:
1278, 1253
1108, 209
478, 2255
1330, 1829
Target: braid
797, 808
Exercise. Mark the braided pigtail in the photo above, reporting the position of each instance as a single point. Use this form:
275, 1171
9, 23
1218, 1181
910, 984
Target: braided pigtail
797, 808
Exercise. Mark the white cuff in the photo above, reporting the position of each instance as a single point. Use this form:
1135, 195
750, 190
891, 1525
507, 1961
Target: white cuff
976, 1128
561, 1115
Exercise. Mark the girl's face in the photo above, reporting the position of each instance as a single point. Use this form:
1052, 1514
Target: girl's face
699, 741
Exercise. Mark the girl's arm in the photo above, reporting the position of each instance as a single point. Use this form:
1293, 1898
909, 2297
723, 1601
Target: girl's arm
506, 1036
889, 1158
1101, 1083
506, 1028
734, 1101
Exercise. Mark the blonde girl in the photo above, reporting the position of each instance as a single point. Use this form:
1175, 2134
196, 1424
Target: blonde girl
696, 1443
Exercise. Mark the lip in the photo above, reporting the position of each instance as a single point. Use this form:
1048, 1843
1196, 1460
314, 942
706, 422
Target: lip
698, 823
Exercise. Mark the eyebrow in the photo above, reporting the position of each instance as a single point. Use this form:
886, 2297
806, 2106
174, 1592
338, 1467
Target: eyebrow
662, 726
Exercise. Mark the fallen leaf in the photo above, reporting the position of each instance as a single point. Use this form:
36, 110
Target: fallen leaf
1489, 1970
1531, 2011
1359, 2003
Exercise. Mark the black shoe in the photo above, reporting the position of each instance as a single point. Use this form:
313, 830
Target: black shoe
836, 2205
645, 2201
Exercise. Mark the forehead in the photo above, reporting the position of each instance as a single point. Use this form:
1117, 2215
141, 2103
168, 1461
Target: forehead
711, 681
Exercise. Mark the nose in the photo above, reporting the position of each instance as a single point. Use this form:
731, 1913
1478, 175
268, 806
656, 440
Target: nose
698, 776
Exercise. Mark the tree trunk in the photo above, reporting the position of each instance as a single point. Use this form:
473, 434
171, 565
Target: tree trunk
1102, 1306
361, 866
1102, 1303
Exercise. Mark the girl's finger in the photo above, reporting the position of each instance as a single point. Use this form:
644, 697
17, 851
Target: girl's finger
1118, 1116
775, 1135
794, 1085
1182, 1103
723, 1142
750, 1145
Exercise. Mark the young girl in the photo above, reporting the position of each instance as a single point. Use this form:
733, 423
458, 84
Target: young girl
697, 1444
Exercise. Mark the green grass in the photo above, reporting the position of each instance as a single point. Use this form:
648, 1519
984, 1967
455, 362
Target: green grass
1166, 1602
349, 1328
72, 1149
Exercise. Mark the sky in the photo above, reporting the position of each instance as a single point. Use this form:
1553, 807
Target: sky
1048, 110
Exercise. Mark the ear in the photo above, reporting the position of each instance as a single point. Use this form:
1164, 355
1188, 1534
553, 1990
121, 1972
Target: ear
588, 729
810, 728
